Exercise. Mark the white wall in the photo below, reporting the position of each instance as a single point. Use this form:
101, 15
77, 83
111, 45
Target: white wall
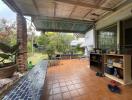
89, 41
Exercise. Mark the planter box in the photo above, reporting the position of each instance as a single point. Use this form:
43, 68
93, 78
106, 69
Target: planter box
8, 71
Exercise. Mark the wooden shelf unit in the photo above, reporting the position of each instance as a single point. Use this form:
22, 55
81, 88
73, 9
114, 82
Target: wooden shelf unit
114, 66
97, 62
126, 68
114, 78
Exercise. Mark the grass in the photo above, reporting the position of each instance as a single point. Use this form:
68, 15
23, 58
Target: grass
36, 57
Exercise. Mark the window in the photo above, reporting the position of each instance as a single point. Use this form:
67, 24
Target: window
107, 38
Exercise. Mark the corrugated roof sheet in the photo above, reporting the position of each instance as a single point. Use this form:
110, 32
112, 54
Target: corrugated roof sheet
62, 25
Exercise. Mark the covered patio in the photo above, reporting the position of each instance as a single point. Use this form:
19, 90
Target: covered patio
71, 79
65, 16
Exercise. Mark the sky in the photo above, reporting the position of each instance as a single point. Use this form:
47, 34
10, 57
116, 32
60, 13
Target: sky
6, 12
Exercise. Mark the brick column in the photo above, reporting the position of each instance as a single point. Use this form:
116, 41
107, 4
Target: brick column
22, 39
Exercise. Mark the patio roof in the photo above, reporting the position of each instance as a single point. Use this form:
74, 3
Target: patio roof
61, 24
64, 15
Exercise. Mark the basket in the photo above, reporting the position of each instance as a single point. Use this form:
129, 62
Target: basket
7, 71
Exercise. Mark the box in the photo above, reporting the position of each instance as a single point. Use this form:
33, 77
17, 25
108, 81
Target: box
119, 65
109, 70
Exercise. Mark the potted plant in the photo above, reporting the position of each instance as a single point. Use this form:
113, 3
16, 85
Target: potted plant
8, 59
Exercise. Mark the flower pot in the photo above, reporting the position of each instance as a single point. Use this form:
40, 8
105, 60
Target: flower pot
8, 70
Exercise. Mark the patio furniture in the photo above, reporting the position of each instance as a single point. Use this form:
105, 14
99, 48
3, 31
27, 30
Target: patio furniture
58, 56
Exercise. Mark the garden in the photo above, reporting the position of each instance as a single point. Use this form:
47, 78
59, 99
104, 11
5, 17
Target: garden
47, 45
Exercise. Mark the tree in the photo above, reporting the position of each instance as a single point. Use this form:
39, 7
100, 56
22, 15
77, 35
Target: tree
49, 47
55, 43
7, 32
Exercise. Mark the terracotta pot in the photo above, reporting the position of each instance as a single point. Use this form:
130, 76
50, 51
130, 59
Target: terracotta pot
7, 71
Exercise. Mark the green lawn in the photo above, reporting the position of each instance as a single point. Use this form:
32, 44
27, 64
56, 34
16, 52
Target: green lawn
36, 57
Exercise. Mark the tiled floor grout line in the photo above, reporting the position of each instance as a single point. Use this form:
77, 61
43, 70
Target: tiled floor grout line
79, 83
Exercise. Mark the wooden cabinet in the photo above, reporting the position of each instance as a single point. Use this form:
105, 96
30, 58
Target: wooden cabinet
118, 67
96, 61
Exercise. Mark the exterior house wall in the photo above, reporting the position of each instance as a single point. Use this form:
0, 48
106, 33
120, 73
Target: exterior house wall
89, 41
116, 16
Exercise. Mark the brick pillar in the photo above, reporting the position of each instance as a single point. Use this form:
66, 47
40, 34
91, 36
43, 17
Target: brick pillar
22, 39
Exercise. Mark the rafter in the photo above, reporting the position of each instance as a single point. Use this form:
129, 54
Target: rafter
13, 6
87, 13
36, 6
102, 2
64, 19
73, 11
79, 3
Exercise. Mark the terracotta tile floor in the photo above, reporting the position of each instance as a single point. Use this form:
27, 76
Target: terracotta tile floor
73, 79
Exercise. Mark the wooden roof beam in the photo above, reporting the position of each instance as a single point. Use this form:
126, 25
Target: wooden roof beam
12, 5
73, 10
79, 3
102, 2
87, 13
64, 19
61, 30
36, 6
